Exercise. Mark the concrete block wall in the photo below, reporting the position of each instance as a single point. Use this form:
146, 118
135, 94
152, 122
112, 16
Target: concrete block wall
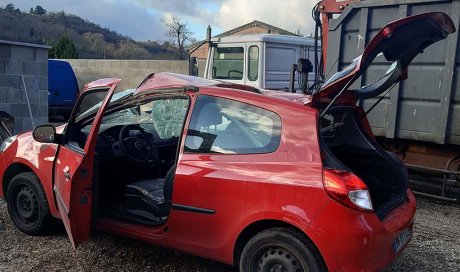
132, 72
23, 79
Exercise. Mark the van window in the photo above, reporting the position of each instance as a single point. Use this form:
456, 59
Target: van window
228, 63
226, 126
253, 56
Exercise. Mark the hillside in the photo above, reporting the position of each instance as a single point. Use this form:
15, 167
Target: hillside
91, 40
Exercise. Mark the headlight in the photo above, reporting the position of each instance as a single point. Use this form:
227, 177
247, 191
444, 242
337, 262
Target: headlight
7, 142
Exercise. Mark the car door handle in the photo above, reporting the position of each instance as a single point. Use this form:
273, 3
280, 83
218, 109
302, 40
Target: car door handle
67, 174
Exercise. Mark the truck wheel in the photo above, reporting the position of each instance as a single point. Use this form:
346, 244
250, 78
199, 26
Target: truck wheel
276, 250
27, 204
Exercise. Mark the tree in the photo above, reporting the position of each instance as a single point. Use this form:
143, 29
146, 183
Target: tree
179, 32
39, 10
10, 8
64, 49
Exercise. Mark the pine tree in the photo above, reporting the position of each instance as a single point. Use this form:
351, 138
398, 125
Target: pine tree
64, 49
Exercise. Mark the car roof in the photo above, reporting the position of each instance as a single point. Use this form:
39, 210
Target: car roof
169, 82
274, 38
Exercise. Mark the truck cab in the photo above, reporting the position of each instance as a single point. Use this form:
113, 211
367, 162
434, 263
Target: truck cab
258, 60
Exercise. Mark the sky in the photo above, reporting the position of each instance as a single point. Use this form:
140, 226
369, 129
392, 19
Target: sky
142, 19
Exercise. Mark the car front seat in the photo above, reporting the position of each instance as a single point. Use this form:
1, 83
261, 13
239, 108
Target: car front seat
150, 199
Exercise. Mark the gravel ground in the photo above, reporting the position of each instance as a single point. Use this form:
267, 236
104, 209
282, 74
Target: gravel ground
434, 247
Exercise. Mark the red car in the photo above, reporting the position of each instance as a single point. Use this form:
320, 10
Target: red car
264, 180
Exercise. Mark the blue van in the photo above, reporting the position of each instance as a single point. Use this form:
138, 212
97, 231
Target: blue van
62, 88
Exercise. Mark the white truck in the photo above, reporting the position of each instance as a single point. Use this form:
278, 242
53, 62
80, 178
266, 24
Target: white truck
261, 60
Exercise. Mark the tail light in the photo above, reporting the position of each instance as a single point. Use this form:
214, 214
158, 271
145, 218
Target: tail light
347, 189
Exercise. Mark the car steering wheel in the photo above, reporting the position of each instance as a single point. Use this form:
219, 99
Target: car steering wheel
233, 71
137, 149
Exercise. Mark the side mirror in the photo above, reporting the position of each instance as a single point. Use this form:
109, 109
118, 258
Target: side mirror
44, 134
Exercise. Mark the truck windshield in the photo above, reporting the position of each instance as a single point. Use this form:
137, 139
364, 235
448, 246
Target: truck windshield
228, 63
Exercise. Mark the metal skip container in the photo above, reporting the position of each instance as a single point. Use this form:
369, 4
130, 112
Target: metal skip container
419, 117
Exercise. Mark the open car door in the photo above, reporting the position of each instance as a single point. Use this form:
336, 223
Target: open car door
73, 170
399, 42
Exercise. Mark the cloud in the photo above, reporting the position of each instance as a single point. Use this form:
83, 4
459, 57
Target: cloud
286, 14
122, 16
141, 19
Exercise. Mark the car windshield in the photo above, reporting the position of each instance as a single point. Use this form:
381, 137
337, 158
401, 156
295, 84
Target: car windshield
228, 63
116, 97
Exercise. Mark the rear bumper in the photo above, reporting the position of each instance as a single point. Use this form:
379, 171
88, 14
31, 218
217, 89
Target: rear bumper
356, 241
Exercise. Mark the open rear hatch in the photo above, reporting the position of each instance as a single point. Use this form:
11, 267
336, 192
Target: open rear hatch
346, 139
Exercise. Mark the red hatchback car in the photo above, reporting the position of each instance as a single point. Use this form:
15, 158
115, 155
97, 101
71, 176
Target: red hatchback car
265, 180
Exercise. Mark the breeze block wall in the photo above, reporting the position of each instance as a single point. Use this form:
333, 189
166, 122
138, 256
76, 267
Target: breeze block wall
24, 83
132, 72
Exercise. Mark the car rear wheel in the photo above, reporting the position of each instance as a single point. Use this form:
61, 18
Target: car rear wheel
27, 204
278, 250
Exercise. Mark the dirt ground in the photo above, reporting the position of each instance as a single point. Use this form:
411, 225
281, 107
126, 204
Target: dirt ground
434, 247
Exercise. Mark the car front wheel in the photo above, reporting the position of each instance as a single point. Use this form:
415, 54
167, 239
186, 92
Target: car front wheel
27, 204
278, 250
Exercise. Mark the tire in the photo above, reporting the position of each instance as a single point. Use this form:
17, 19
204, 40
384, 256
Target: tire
27, 204
278, 249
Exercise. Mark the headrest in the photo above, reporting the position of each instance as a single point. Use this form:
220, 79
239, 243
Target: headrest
210, 115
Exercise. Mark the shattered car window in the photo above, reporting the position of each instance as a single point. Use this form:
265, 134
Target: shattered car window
167, 116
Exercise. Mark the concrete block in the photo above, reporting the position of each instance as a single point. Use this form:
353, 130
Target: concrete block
14, 66
42, 55
133, 64
13, 81
42, 69
31, 83
3, 80
3, 66
30, 68
14, 96
176, 65
6, 108
44, 111
33, 95
123, 64
42, 83
3, 94
143, 64
91, 63
20, 110
27, 124
18, 125
79, 63
165, 65
153, 64
22, 53
43, 97
116, 72
105, 64
5, 51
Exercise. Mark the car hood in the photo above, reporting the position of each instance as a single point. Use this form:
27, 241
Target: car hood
399, 42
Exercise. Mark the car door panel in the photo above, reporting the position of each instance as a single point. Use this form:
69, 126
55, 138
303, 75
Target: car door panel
73, 177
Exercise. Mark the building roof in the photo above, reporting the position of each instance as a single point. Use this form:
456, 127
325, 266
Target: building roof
274, 38
25, 44
254, 23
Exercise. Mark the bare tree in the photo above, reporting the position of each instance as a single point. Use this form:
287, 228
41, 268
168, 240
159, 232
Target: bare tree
177, 29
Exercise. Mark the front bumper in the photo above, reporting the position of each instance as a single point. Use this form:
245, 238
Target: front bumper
357, 241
